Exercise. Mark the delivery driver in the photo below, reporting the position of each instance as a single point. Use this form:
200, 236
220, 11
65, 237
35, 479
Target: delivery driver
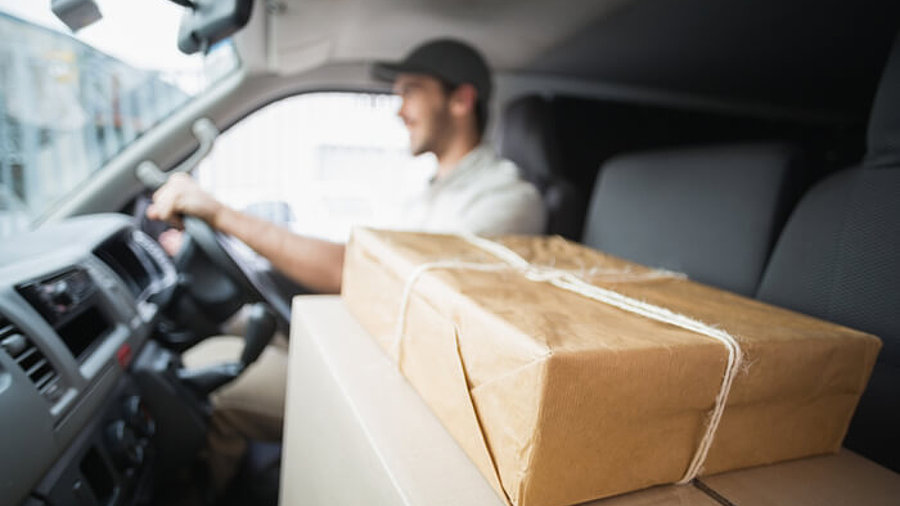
445, 86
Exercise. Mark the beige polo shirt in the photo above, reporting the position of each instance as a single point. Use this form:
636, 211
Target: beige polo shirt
482, 195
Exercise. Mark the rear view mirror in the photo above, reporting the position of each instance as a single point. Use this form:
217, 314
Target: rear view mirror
209, 21
76, 14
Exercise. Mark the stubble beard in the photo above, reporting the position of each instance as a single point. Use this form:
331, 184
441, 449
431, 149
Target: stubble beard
438, 134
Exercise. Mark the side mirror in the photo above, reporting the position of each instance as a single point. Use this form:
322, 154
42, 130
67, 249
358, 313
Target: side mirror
209, 21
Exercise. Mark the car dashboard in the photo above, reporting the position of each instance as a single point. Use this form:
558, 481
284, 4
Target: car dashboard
78, 303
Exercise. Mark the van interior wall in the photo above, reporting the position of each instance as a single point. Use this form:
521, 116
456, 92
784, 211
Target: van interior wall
591, 131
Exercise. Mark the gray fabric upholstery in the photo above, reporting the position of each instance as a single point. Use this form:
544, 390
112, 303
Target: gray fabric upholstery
711, 213
529, 138
883, 136
839, 259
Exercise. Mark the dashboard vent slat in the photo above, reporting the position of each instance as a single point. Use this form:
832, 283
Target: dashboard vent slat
30, 359
38, 370
27, 358
44, 378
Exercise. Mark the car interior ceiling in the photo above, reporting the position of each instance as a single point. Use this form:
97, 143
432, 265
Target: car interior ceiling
822, 56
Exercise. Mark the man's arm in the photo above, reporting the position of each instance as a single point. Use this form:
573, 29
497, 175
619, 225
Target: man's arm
314, 263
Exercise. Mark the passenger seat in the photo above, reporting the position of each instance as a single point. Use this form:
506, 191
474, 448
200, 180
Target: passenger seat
712, 213
839, 259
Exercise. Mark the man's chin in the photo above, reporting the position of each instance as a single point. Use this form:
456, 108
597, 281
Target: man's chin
418, 150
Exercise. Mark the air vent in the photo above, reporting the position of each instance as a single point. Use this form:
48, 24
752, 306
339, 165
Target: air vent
35, 365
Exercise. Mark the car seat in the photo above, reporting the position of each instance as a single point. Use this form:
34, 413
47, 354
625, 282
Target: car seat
839, 259
711, 212
530, 140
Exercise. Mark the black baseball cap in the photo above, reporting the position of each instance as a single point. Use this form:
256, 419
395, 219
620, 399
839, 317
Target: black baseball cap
449, 60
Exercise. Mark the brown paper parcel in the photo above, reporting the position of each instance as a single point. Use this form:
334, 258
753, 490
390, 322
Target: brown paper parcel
559, 399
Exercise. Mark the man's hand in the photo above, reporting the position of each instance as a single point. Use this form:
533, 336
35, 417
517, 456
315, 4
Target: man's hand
182, 195
171, 241
314, 263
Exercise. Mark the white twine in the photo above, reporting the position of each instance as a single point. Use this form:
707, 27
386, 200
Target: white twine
568, 281
416, 274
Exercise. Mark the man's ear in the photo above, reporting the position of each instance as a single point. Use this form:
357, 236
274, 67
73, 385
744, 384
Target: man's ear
463, 99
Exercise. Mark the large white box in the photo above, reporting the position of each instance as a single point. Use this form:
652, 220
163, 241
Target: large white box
357, 433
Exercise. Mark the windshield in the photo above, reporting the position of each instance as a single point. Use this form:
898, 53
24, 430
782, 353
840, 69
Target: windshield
71, 102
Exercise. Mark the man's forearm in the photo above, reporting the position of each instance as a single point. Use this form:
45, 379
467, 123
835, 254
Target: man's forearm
314, 263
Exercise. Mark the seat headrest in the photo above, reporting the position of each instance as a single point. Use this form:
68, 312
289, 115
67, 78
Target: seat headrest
711, 212
883, 137
528, 138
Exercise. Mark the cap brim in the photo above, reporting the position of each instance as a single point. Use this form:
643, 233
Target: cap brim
388, 71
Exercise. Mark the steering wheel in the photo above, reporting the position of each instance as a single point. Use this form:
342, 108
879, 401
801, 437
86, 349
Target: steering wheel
222, 252
220, 248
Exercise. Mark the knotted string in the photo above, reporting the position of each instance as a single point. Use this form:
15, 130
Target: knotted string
566, 280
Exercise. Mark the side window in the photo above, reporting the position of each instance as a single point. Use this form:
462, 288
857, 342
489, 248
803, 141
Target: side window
319, 163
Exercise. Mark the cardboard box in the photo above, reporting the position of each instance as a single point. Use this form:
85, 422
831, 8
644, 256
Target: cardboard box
560, 399
357, 433
845, 479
